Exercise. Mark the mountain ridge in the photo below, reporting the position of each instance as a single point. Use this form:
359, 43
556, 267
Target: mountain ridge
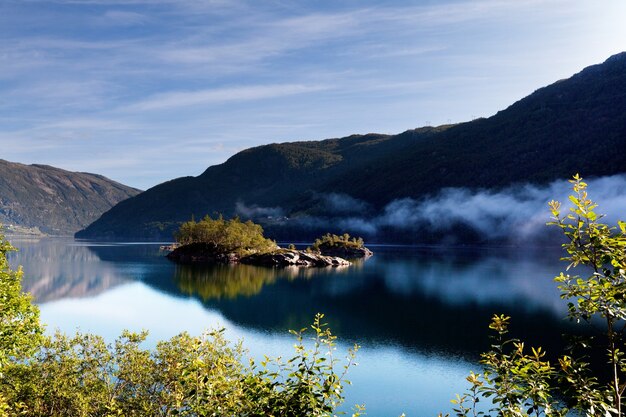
574, 125
52, 200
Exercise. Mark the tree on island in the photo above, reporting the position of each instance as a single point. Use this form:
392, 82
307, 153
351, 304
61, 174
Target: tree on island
335, 241
341, 245
225, 236
219, 241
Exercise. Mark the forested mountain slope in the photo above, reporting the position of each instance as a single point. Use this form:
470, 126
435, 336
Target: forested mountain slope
573, 125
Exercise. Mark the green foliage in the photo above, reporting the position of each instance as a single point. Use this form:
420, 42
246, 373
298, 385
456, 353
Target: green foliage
82, 375
518, 382
19, 319
600, 294
308, 384
522, 384
226, 236
334, 241
184, 376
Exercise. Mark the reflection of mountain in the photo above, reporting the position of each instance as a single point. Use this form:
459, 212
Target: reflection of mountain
424, 300
373, 312
429, 301
56, 269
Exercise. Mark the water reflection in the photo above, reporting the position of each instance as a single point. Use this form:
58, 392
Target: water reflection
424, 300
56, 269
223, 281
419, 313
234, 281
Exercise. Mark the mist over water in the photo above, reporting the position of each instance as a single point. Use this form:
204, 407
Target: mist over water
516, 214
522, 210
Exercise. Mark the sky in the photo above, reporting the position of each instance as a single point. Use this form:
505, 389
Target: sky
143, 91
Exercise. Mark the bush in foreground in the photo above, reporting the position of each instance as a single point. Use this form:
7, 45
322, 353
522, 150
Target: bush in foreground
522, 382
205, 375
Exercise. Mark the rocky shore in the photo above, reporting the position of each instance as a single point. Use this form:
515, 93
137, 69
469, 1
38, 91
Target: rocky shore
290, 257
346, 252
205, 253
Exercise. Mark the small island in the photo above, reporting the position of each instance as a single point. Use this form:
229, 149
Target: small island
342, 246
220, 241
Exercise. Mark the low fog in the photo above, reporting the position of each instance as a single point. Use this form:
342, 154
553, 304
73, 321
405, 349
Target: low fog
514, 214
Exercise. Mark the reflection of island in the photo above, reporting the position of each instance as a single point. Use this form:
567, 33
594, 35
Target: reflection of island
426, 301
223, 281
233, 281
423, 300
57, 268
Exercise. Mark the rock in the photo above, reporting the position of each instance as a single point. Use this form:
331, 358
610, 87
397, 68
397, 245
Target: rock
169, 248
345, 252
286, 257
202, 253
206, 253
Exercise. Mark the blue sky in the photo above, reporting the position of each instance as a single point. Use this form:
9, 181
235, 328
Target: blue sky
143, 91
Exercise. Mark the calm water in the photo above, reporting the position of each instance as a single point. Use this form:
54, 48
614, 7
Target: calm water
420, 315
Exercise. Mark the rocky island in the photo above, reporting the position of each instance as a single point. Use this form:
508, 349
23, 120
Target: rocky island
219, 241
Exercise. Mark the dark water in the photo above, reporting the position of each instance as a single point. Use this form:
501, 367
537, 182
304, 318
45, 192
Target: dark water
420, 315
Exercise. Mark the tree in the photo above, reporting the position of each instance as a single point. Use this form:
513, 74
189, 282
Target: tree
225, 235
20, 331
331, 240
519, 383
82, 375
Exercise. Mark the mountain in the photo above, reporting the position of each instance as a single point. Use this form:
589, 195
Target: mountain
574, 125
54, 201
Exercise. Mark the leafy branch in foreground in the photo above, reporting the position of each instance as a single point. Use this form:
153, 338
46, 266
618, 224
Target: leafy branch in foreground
20, 331
518, 383
82, 375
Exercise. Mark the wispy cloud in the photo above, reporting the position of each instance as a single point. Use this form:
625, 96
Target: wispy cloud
124, 18
222, 95
101, 73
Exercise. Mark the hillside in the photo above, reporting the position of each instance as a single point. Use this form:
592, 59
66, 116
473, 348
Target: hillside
54, 201
573, 125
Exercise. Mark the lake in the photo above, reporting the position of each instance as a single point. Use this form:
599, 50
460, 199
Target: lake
420, 315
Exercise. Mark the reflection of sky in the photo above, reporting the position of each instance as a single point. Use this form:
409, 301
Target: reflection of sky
59, 268
394, 303
485, 281
388, 380
461, 279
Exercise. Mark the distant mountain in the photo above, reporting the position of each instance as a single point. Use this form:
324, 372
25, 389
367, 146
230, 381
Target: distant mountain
574, 125
54, 201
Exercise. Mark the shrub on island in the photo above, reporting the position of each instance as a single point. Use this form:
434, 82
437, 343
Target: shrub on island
225, 236
220, 241
343, 246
